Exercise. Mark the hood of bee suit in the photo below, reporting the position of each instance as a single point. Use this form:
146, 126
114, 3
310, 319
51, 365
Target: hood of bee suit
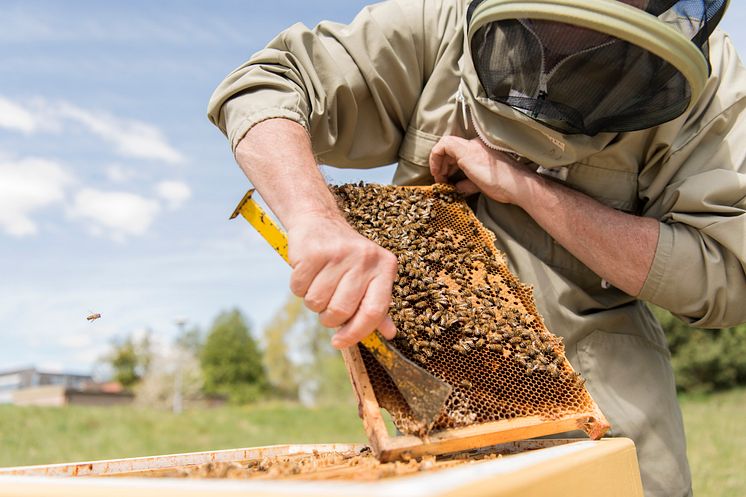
556, 80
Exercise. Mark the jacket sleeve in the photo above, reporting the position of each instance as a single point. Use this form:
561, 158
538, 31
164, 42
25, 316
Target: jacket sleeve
353, 87
699, 270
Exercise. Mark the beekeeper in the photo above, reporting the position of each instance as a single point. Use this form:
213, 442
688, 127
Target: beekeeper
605, 139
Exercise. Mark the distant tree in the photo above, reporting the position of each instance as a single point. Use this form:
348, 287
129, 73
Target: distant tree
174, 371
300, 362
325, 372
282, 374
130, 359
705, 360
190, 339
230, 360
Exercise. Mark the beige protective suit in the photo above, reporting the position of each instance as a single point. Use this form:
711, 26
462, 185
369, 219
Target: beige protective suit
385, 88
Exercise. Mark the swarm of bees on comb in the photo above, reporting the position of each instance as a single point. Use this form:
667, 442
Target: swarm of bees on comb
459, 311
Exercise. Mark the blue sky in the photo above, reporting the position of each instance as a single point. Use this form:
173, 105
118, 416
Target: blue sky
114, 188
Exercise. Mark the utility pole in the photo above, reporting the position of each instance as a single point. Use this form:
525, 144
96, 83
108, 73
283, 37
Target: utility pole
177, 405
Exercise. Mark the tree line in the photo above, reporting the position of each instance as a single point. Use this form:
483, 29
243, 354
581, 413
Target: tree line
292, 359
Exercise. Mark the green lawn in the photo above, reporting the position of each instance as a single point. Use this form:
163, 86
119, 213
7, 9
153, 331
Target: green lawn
36, 435
717, 443
40, 435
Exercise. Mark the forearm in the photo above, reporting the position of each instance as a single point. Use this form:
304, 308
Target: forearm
340, 274
617, 246
277, 157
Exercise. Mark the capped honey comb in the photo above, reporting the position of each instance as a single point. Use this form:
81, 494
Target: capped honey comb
460, 313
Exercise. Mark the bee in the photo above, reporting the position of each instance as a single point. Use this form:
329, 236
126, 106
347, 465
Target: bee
93, 316
553, 370
465, 384
495, 346
420, 358
460, 349
579, 380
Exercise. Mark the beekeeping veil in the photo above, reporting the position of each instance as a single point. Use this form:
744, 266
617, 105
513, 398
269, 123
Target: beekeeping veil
593, 66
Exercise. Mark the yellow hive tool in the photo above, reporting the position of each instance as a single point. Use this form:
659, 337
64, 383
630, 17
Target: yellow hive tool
425, 394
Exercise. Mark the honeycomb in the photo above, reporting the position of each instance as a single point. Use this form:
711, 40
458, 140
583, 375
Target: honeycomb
460, 313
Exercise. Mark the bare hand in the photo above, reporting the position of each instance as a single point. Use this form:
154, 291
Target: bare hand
343, 276
488, 171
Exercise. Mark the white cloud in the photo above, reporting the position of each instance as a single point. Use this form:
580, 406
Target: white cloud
130, 137
28, 185
175, 193
15, 117
119, 174
115, 215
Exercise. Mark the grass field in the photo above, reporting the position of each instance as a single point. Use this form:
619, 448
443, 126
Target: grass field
39, 435
717, 443
36, 435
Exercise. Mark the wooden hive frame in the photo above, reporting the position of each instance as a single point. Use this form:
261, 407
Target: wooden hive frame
389, 447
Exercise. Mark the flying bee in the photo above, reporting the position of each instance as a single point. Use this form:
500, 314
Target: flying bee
93, 316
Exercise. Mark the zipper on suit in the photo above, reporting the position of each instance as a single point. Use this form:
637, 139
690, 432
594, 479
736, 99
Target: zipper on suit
468, 117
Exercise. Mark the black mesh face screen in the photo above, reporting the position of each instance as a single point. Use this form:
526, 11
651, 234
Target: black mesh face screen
585, 82
580, 81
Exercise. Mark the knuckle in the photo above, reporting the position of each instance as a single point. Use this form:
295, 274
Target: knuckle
369, 253
328, 321
316, 304
390, 262
338, 312
297, 287
370, 313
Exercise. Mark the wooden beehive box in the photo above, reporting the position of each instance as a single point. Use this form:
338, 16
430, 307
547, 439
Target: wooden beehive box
522, 469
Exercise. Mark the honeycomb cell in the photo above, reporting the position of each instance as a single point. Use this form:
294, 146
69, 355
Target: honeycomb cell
460, 312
